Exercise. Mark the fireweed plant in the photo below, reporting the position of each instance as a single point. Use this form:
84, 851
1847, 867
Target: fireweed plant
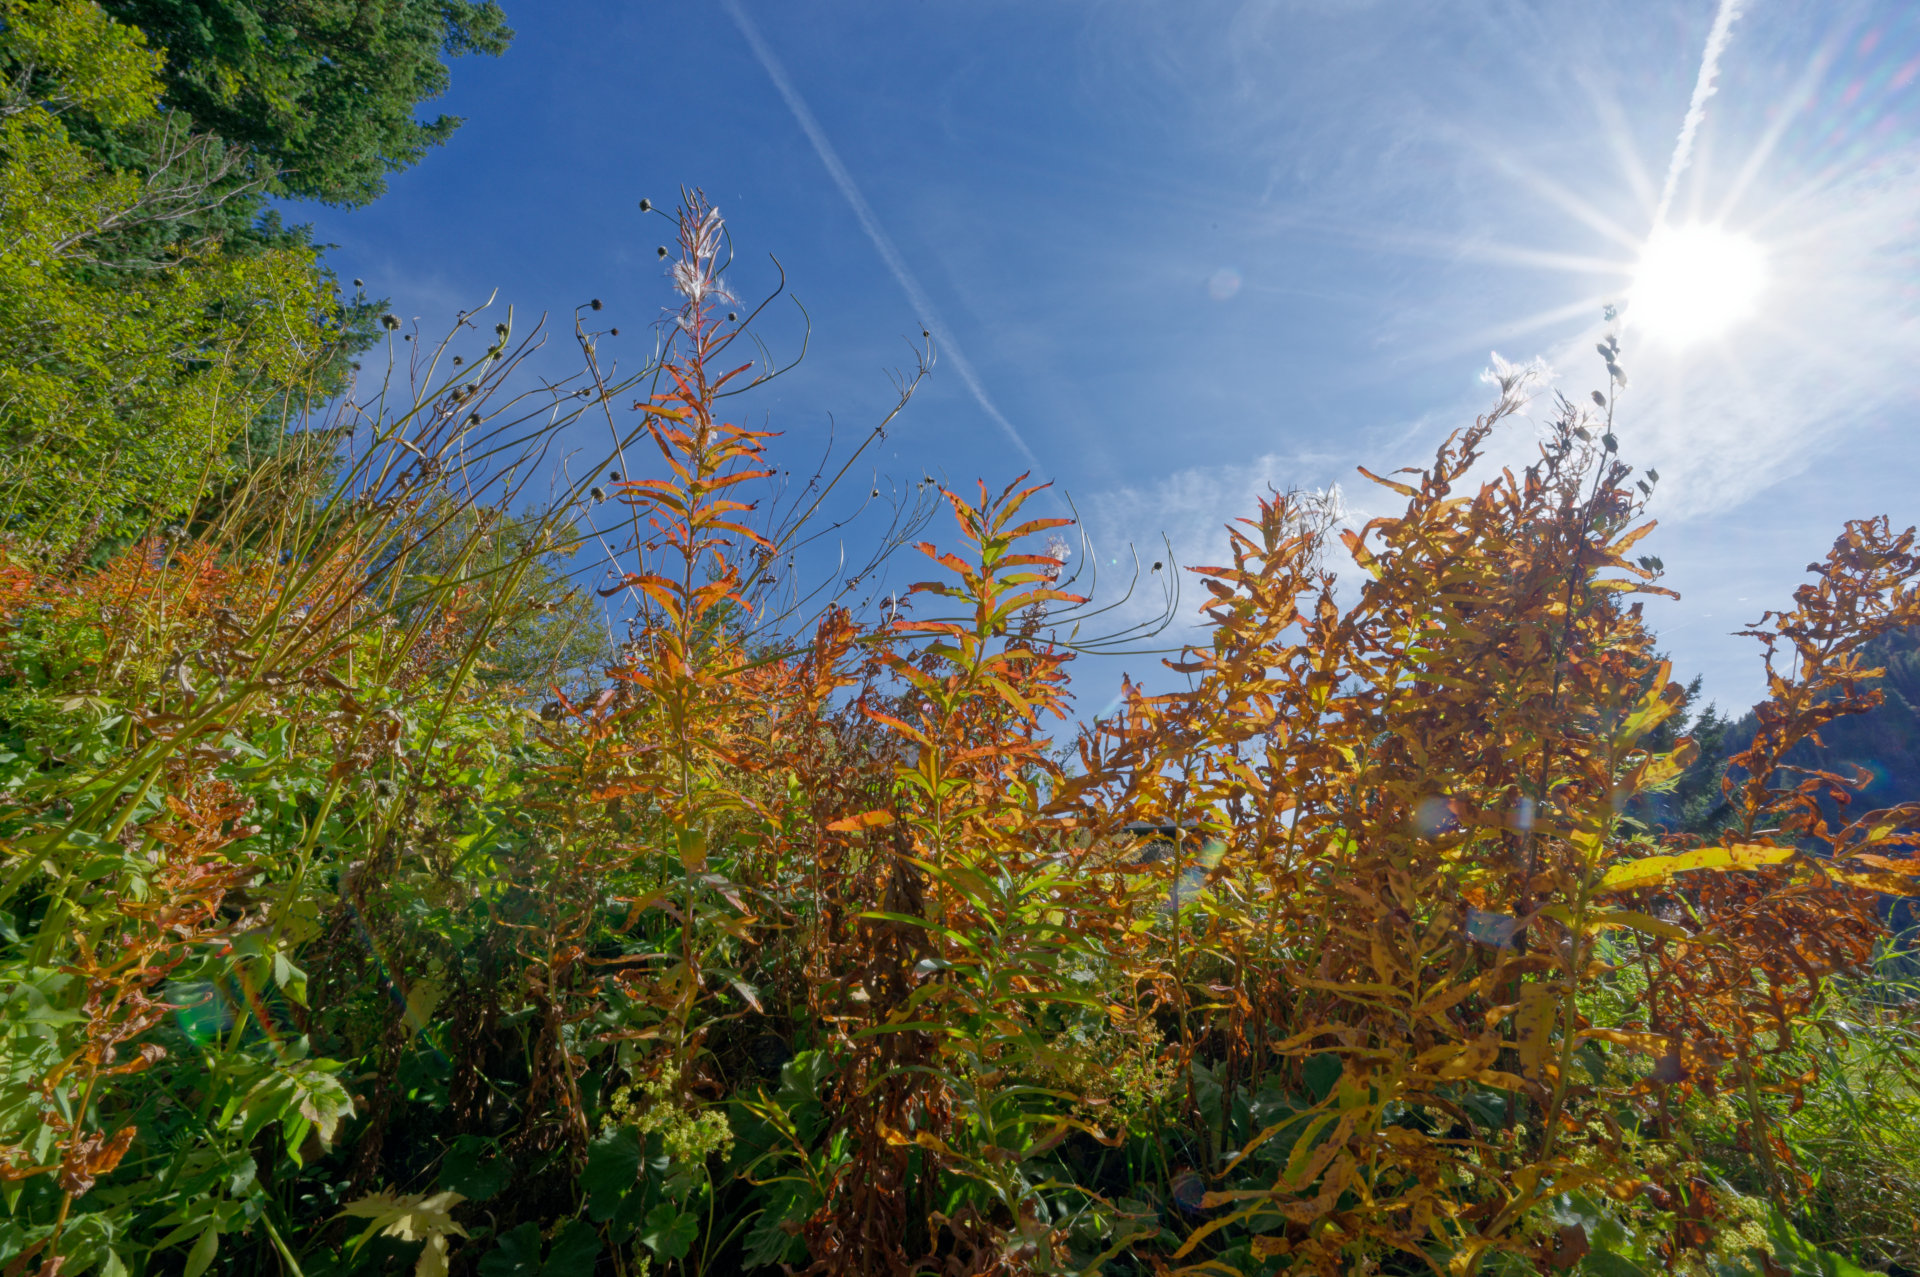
797, 927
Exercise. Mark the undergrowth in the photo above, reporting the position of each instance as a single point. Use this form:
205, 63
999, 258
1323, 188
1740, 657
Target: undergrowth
362, 915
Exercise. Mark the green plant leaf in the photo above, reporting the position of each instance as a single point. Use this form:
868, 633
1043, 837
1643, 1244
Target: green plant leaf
474, 1168
613, 1166
670, 1231
517, 1255
201, 1256
573, 1251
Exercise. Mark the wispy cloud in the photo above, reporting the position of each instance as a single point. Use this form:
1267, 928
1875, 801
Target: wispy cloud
1703, 88
1187, 513
882, 242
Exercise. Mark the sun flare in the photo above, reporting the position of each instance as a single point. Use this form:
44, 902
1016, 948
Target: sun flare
1695, 282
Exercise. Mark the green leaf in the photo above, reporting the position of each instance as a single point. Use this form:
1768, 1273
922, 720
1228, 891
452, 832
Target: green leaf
474, 1168
202, 1253
517, 1255
573, 1251
670, 1231
291, 979
613, 1165
1320, 1073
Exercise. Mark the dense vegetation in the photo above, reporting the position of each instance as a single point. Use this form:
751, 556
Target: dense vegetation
367, 908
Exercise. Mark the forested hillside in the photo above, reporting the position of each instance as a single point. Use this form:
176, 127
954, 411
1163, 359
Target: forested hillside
417, 856
1884, 742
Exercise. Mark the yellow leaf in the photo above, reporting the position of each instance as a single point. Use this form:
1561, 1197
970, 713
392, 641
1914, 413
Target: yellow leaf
1533, 1021
1652, 871
413, 1217
1642, 922
422, 1000
1650, 1043
433, 1258
1662, 769
693, 850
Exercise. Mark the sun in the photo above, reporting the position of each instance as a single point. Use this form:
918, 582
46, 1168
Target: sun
1695, 282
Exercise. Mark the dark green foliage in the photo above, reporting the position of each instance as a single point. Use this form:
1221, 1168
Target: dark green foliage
474, 1168
1884, 741
311, 99
1693, 804
320, 92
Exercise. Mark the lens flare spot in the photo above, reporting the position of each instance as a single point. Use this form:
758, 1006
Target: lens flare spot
1696, 282
1224, 283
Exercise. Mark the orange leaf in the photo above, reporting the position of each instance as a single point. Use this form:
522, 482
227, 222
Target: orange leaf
865, 820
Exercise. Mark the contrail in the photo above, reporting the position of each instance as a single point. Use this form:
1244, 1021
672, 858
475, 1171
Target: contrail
882, 243
1703, 88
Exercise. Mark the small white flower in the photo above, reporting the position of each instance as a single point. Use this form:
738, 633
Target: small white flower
1517, 382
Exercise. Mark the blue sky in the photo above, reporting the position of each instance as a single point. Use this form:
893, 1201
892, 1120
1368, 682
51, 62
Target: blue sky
1181, 251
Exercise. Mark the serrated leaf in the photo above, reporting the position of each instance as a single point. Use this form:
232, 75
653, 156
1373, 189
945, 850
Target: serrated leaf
573, 1251
670, 1232
613, 1167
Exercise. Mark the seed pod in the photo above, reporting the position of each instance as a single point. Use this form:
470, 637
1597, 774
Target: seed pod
1600, 399
595, 303
390, 322
646, 206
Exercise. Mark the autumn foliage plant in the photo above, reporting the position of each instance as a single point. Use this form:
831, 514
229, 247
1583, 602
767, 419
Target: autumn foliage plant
361, 918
